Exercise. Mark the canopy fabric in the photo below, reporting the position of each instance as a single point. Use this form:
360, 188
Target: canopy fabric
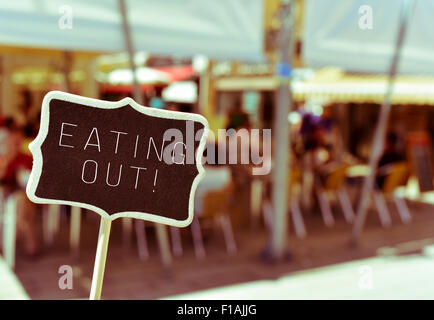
346, 88
332, 85
219, 29
362, 91
333, 36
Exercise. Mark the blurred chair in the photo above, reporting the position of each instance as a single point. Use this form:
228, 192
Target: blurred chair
332, 187
74, 231
212, 204
395, 175
9, 228
294, 193
256, 191
50, 223
142, 244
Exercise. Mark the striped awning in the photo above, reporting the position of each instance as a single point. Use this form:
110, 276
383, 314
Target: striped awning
341, 87
366, 89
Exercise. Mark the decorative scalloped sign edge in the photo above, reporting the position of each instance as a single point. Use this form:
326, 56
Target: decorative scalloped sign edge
35, 149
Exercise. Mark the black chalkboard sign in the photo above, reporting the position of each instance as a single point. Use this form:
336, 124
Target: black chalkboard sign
119, 159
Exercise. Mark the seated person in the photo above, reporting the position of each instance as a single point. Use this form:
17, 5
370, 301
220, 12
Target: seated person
390, 155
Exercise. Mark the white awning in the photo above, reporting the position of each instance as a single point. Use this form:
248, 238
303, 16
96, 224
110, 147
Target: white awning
227, 29
337, 34
182, 91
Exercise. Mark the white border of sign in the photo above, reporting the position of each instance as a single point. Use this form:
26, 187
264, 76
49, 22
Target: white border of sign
35, 148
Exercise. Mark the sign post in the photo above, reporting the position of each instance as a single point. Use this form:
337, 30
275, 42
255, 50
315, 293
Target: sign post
118, 159
100, 258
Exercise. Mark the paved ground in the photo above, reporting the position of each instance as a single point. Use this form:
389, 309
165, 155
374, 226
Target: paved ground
127, 277
392, 277
10, 287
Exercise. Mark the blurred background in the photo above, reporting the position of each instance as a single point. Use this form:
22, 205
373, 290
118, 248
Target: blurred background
347, 89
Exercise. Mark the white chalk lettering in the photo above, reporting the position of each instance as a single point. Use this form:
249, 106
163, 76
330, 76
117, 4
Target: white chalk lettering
117, 139
159, 156
65, 134
97, 139
137, 174
135, 147
108, 174
95, 175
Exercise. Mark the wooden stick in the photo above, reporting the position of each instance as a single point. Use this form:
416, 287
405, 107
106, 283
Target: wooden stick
380, 130
100, 258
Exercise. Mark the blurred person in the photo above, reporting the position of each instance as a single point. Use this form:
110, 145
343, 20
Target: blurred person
156, 100
15, 167
331, 135
392, 154
311, 142
26, 115
238, 118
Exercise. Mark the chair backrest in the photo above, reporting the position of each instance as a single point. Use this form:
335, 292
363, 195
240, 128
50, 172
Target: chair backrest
294, 179
336, 178
398, 176
217, 201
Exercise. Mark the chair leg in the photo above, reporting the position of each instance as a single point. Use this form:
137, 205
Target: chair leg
127, 229
164, 246
10, 230
383, 211
50, 223
255, 201
46, 232
197, 239
297, 219
57, 213
403, 211
228, 234
2, 209
268, 214
74, 233
175, 236
142, 245
346, 206
325, 208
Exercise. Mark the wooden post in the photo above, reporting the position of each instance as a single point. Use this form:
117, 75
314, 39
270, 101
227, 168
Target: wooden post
100, 259
7, 92
66, 70
282, 145
90, 86
130, 48
380, 131
161, 229
207, 92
